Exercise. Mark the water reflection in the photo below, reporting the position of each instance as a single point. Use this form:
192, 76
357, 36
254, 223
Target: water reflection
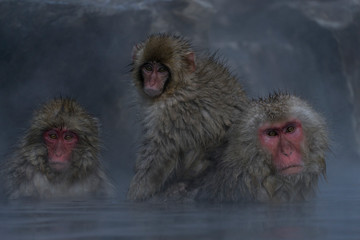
334, 214
331, 218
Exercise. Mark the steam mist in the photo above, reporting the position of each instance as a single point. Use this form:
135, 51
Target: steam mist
82, 49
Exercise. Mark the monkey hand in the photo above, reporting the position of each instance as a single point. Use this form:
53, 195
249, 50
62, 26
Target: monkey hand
141, 188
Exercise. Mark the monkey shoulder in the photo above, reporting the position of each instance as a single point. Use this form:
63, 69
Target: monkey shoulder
29, 182
17, 170
218, 87
216, 75
196, 117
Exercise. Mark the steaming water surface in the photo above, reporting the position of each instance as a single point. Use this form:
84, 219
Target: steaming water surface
74, 48
332, 215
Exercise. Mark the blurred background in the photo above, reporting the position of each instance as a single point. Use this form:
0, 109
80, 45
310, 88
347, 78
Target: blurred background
82, 49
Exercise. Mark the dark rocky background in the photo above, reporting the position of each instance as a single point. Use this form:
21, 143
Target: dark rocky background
82, 49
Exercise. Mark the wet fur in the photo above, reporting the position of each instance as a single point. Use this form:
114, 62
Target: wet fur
27, 172
186, 122
245, 172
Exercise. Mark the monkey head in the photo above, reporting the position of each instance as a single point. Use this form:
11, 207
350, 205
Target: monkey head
283, 143
64, 138
161, 64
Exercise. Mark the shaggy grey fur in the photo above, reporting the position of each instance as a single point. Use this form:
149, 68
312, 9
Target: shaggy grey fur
187, 121
27, 172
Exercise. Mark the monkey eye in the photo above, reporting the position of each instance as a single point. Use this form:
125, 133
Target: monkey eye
271, 133
68, 136
290, 129
52, 136
162, 69
148, 67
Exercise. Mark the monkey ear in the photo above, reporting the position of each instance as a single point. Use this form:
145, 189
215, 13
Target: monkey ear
191, 61
135, 50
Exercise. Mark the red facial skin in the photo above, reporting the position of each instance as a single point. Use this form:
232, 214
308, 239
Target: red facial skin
284, 141
155, 76
60, 143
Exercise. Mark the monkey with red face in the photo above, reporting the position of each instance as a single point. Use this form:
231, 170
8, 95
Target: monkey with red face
59, 156
60, 143
276, 152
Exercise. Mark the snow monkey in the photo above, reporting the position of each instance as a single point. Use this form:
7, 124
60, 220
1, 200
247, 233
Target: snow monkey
189, 102
275, 153
59, 156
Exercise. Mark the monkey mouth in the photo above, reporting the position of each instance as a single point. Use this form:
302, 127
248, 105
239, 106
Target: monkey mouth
291, 170
153, 92
58, 166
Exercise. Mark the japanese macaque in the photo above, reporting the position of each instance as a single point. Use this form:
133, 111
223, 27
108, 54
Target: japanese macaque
189, 102
59, 156
276, 152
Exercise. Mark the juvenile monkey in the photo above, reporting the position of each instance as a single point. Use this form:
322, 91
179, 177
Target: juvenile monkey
189, 101
276, 152
59, 156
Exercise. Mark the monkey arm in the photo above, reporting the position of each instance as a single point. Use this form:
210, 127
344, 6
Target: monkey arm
177, 149
156, 163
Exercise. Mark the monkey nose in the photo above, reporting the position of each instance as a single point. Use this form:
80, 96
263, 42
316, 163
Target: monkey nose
286, 148
287, 153
152, 81
58, 153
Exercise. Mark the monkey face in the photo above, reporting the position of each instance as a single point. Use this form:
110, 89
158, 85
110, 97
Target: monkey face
60, 144
284, 141
154, 75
